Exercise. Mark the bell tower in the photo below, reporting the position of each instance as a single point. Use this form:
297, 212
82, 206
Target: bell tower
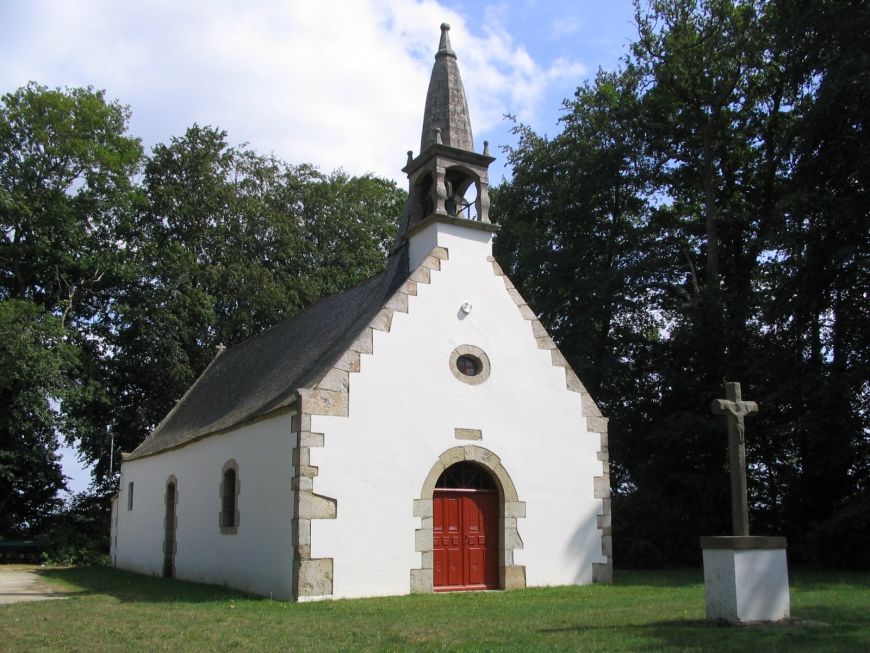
447, 170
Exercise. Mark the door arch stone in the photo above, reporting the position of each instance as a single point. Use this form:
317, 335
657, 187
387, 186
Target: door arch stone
511, 509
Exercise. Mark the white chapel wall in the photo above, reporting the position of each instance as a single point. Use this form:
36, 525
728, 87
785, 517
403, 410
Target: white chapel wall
258, 557
404, 406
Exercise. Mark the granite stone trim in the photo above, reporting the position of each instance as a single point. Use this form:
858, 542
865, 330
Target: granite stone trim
467, 434
330, 396
476, 352
312, 576
595, 423
232, 529
511, 576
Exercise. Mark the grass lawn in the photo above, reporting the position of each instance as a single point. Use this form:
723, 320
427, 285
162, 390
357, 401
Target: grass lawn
643, 611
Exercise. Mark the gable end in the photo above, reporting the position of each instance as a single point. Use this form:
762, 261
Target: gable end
595, 423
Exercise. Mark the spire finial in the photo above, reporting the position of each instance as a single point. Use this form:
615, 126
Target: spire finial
446, 107
444, 45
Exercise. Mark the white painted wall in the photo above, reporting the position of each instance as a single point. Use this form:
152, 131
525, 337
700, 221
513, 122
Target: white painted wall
404, 406
258, 558
746, 585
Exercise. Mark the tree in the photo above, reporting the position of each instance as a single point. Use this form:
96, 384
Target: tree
743, 172
35, 366
66, 165
118, 290
228, 243
577, 237
820, 310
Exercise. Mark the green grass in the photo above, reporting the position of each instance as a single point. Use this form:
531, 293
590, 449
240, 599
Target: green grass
644, 611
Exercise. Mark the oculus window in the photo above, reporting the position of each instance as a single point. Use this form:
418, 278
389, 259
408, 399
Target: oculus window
470, 364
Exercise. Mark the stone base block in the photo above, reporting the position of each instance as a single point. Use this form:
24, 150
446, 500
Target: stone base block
421, 581
745, 579
602, 573
314, 577
513, 577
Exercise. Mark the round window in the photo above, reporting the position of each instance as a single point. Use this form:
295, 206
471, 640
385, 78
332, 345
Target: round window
469, 364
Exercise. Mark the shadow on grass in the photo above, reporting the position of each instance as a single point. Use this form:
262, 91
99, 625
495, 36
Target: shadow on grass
826, 630
127, 587
659, 578
835, 633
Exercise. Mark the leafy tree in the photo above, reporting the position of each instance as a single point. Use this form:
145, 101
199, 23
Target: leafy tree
577, 235
66, 165
35, 365
229, 243
117, 288
736, 141
820, 310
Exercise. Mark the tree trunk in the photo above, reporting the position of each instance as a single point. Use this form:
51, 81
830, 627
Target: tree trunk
710, 213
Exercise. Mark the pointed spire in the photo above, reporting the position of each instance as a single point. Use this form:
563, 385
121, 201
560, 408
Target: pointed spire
446, 106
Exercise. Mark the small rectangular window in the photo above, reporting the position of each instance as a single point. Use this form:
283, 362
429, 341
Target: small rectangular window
130, 495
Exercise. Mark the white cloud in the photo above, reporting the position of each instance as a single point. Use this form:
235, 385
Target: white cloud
335, 83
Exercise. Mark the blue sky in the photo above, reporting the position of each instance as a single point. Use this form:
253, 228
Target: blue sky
336, 83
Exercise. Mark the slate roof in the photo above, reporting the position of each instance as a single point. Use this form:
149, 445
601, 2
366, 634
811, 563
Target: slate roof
262, 374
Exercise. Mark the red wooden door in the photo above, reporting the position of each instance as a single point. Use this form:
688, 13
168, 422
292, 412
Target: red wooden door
465, 540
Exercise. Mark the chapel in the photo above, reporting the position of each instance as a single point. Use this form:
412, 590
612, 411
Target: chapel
420, 432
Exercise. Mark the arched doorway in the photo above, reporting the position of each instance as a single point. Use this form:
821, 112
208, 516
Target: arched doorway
169, 526
465, 529
511, 510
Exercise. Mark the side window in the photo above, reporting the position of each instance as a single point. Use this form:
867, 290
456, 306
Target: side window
130, 495
229, 491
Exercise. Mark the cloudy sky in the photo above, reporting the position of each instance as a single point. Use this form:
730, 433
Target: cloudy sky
336, 83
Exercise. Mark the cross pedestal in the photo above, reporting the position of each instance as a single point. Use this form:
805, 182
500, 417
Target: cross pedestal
745, 577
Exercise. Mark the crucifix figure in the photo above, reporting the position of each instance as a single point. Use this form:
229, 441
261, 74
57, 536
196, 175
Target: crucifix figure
734, 410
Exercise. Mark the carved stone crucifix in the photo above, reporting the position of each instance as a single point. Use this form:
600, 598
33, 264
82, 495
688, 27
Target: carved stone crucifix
734, 410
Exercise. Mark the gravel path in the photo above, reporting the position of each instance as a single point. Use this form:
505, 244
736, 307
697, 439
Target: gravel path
20, 583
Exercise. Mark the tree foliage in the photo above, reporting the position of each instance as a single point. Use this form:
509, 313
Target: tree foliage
35, 365
66, 194
733, 141
230, 243
121, 273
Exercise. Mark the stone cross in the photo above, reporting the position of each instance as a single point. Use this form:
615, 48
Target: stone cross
734, 410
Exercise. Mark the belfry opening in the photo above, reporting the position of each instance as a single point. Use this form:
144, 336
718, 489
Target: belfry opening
448, 180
